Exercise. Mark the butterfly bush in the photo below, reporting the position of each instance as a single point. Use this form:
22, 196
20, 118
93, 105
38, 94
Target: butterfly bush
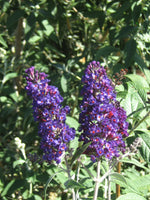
102, 120
47, 110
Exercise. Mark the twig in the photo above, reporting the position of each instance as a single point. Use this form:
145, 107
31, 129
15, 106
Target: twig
69, 176
88, 171
109, 188
97, 181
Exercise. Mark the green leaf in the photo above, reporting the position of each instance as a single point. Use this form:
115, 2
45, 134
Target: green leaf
3, 42
49, 180
126, 103
9, 76
64, 83
101, 19
126, 32
136, 13
131, 196
88, 182
13, 186
6, 189
72, 122
34, 39
25, 194
120, 11
130, 49
73, 184
6, 5
117, 178
145, 147
142, 66
140, 85
105, 51
79, 152
3, 99
139, 184
13, 18
18, 162
14, 96
134, 162
37, 197
48, 28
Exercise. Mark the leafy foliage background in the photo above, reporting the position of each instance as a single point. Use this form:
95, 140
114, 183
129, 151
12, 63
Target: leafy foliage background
60, 38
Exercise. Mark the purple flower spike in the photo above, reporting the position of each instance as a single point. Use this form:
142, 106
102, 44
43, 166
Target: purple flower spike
50, 114
102, 120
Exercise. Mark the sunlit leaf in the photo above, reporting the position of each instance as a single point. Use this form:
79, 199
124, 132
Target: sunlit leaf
140, 85
145, 147
72, 122
131, 196
79, 152
3, 42
73, 184
18, 162
134, 162
117, 177
64, 83
9, 76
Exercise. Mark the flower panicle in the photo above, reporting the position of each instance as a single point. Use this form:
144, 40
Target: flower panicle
47, 110
102, 120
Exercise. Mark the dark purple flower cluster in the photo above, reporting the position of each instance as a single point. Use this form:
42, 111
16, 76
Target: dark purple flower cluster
50, 114
103, 121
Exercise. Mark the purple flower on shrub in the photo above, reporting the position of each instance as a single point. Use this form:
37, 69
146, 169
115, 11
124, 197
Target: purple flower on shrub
102, 120
48, 111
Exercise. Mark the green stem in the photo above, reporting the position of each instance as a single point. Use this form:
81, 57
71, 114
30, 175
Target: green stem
77, 179
109, 188
97, 181
87, 170
139, 122
106, 188
138, 110
69, 176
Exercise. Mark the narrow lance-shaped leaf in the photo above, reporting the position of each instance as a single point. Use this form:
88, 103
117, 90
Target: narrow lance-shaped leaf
117, 178
9, 76
73, 184
131, 196
134, 162
64, 83
79, 152
145, 148
49, 180
140, 85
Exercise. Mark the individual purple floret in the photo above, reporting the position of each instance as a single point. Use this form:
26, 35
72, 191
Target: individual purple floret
102, 120
48, 111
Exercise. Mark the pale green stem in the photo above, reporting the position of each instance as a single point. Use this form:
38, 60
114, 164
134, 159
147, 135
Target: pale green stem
31, 188
68, 172
77, 179
88, 171
97, 181
138, 110
109, 188
106, 188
